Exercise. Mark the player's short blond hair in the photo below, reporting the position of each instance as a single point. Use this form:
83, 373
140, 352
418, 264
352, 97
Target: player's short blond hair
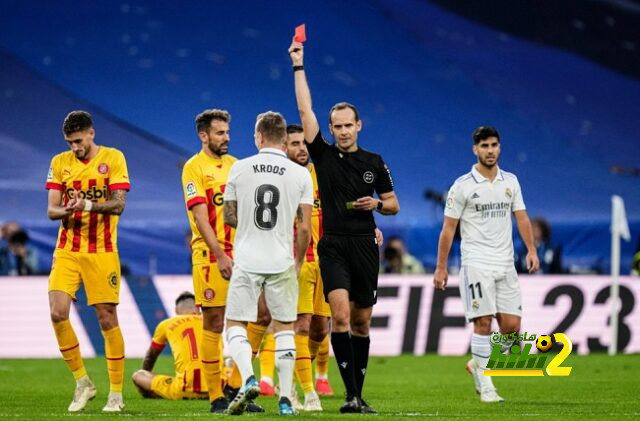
272, 126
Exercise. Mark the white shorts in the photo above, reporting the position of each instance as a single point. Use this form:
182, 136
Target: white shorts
487, 292
280, 292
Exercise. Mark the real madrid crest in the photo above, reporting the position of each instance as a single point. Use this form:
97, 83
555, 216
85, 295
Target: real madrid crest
508, 193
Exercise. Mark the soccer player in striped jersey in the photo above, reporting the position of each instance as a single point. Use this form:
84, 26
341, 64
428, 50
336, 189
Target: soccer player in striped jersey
204, 179
183, 332
311, 304
87, 190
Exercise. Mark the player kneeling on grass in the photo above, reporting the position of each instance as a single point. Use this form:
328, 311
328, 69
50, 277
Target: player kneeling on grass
183, 332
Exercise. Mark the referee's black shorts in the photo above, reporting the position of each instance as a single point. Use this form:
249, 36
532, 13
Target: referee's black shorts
351, 263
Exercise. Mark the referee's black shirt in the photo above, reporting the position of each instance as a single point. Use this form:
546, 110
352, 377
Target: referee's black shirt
344, 177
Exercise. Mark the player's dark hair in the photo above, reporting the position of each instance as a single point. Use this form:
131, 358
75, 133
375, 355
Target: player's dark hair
273, 127
185, 296
294, 128
342, 106
76, 121
204, 119
483, 133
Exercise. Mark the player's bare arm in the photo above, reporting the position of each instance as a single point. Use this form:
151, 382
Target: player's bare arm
303, 94
441, 275
231, 213
150, 358
114, 206
201, 218
389, 201
526, 233
55, 210
303, 234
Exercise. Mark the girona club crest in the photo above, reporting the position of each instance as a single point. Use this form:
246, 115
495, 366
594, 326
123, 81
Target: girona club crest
103, 168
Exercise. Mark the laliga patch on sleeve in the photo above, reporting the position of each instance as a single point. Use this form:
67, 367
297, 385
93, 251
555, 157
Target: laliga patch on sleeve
191, 190
450, 202
300, 34
50, 174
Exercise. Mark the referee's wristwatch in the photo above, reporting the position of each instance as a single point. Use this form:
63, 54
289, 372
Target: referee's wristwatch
379, 207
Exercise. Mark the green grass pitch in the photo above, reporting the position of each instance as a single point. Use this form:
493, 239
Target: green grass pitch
405, 387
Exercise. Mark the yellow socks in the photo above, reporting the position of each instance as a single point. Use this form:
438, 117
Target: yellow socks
70, 348
211, 357
313, 348
322, 359
255, 333
114, 352
303, 363
267, 360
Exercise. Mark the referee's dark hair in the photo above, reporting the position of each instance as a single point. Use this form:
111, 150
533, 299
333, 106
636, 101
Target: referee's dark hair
185, 296
76, 121
294, 128
342, 106
204, 119
484, 132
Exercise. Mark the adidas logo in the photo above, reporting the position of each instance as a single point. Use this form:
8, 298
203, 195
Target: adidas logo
343, 365
288, 356
475, 196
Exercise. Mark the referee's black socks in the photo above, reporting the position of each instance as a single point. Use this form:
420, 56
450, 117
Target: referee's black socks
360, 346
344, 353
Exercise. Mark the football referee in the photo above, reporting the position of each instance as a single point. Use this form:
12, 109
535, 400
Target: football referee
349, 257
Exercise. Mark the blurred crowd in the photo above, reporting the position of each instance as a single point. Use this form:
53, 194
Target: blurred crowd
17, 257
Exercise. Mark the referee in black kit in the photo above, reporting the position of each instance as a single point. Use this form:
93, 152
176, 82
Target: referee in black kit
349, 256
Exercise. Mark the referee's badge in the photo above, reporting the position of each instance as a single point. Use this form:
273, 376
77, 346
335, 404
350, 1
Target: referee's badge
368, 177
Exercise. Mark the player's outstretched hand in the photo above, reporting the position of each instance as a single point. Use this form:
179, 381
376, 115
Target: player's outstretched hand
366, 203
440, 279
533, 264
225, 266
296, 53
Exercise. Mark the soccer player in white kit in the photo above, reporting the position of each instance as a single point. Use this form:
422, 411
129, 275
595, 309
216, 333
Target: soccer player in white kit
263, 195
483, 201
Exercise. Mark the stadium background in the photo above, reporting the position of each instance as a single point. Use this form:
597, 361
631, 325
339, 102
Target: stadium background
560, 81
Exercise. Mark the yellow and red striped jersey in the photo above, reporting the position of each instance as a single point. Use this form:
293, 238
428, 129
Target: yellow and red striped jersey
316, 218
203, 181
89, 232
183, 332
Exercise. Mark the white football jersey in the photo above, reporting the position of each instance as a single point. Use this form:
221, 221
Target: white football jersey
484, 209
268, 188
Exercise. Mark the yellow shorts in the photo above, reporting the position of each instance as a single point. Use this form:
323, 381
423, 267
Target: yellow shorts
99, 272
310, 294
176, 388
209, 287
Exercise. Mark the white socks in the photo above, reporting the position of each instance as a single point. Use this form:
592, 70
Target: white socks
240, 350
285, 360
481, 352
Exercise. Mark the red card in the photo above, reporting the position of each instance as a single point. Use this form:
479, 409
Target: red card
300, 35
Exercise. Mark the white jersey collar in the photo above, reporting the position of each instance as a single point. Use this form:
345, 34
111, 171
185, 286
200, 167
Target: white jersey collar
274, 151
479, 178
